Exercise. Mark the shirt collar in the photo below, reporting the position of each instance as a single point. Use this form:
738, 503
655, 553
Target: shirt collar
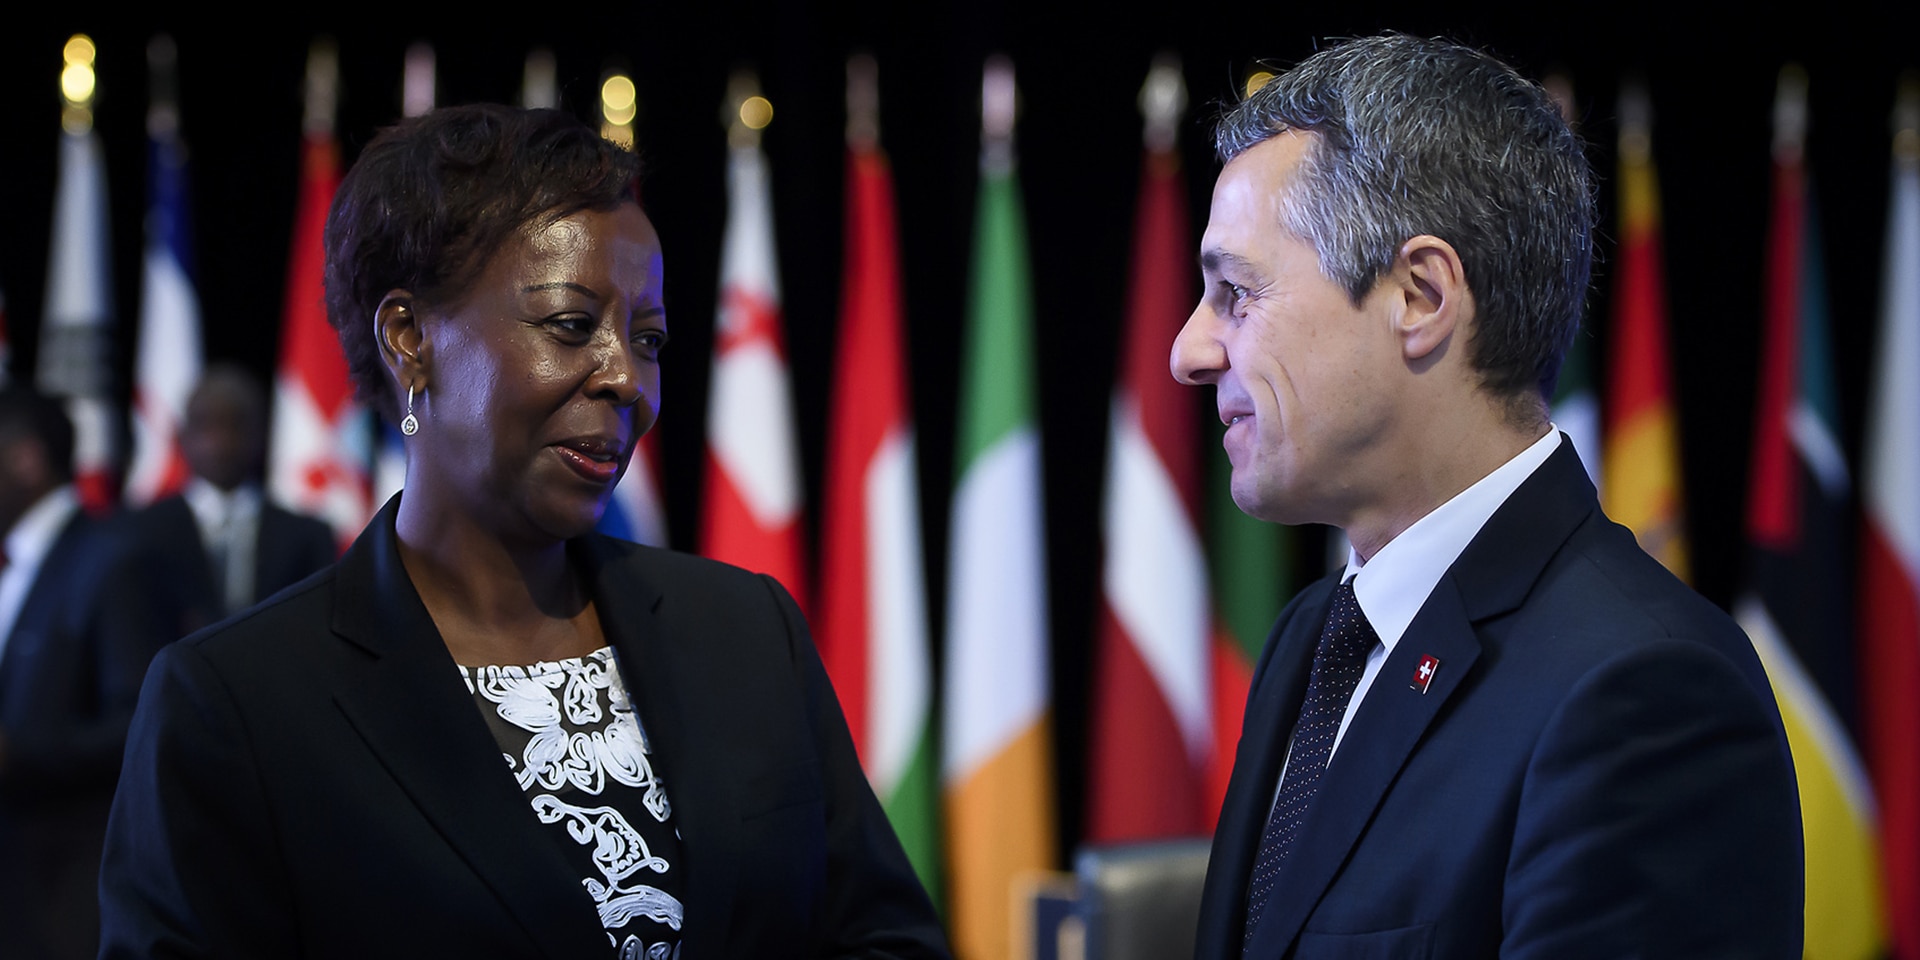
33, 534
1395, 584
212, 505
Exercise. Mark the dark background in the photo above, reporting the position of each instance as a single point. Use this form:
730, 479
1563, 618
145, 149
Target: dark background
1712, 83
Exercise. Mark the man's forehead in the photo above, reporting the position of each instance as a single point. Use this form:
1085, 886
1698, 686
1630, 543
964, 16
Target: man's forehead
1247, 199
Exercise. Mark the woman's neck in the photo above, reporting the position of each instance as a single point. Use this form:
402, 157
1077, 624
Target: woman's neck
493, 601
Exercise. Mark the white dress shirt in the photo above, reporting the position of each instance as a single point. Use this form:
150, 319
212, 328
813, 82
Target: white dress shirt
28, 542
229, 523
1395, 584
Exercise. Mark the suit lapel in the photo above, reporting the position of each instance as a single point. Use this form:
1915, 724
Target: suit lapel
1273, 705
1382, 735
706, 804
409, 706
33, 626
1492, 576
205, 602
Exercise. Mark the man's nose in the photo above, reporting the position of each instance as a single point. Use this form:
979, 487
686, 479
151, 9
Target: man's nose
1197, 356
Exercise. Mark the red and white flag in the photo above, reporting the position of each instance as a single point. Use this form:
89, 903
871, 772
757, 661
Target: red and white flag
752, 509
317, 462
167, 365
872, 625
1890, 560
1152, 729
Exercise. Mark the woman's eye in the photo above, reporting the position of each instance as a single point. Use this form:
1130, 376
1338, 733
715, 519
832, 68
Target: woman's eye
650, 340
573, 324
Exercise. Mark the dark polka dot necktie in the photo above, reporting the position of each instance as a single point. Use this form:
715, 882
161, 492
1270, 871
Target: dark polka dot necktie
1338, 662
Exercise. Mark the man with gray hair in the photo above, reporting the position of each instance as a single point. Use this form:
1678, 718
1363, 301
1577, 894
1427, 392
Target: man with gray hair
1502, 729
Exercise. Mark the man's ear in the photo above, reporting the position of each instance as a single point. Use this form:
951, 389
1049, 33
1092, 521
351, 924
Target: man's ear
1437, 299
402, 343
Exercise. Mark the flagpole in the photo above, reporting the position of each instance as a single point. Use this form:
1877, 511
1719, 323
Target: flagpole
997, 768
75, 354
1151, 738
168, 363
752, 514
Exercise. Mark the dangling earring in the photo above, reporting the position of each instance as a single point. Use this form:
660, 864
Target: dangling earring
410, 424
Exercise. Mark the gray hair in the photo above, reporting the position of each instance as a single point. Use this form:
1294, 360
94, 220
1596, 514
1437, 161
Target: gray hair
1414, 137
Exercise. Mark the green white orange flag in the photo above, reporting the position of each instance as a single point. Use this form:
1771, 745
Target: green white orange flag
998, 739
751, 514
872, 627
1151, 733
1641, 486
1798, 594
1890, 556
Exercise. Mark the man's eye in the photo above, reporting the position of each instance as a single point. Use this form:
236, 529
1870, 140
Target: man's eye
1235, 293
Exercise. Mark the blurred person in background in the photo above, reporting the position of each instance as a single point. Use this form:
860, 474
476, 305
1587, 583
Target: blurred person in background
220, 545
489, 731
74, 640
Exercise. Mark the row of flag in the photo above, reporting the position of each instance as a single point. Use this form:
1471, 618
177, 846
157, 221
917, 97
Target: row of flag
1189, 584
1837, 628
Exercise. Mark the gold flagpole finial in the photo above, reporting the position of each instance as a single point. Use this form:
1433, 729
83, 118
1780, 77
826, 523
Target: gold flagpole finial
745, 112
619, 107
323, 87
77, 83
1163, 98
863, 102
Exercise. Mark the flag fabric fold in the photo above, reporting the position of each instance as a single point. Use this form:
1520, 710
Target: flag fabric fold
1641, 483
167, 365
872, 627
1151, 734
636, 511
997, 766
1797, 603
1250, 567
75, 353
318, 456
752, 513
1889, 581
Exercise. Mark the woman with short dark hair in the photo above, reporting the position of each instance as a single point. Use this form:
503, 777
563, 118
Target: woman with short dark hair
488, 731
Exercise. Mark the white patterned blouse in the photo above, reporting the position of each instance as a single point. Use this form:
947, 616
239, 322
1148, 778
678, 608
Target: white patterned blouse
573, 741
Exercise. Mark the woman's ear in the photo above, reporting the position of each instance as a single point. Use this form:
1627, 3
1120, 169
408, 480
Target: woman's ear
402, 343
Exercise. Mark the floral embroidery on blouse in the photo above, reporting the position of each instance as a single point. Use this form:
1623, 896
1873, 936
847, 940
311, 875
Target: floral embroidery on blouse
569, 732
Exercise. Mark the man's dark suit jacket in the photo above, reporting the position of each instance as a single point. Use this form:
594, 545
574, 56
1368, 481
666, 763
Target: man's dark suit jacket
290, 548
68, 683
1597, 769
313, 779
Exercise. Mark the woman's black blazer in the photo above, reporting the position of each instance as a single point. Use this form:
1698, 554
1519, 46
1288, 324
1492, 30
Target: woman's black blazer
313, 780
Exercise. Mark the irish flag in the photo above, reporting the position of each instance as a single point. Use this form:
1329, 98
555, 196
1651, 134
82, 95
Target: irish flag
1890, 556
998, 763
1641, 485
1799, 594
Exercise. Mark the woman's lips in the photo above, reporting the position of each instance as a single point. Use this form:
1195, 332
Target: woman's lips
590, 469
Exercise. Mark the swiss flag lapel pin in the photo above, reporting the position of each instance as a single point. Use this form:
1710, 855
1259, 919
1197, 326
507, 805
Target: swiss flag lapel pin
1424, 674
